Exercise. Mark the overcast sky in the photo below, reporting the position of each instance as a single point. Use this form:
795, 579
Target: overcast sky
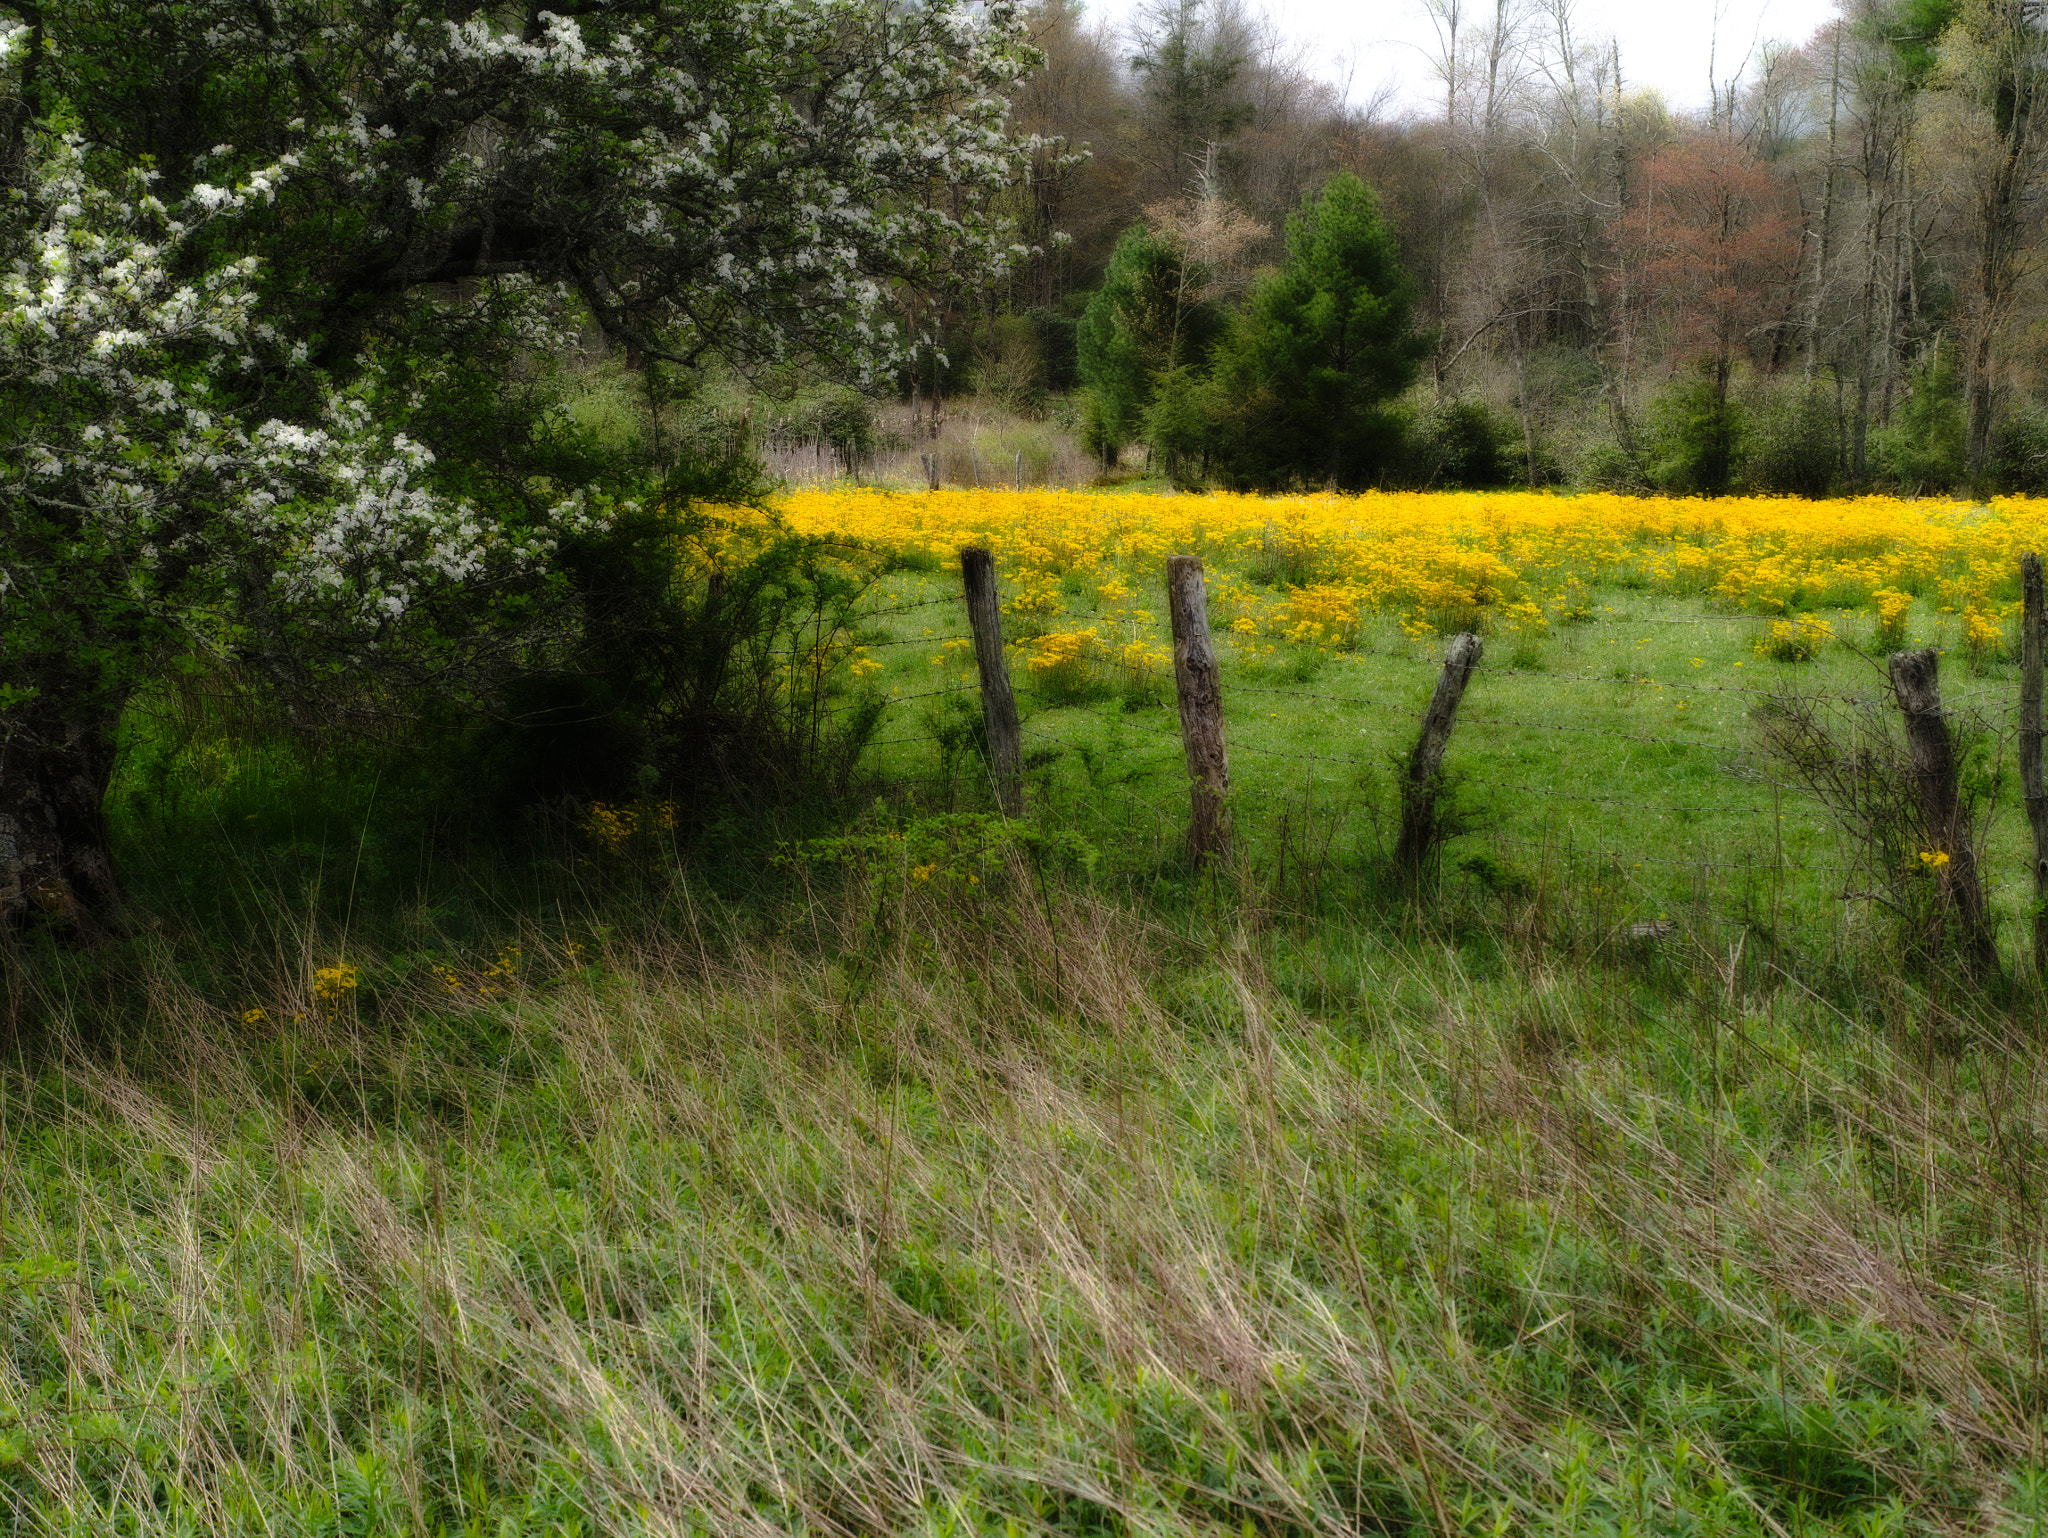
1664, 43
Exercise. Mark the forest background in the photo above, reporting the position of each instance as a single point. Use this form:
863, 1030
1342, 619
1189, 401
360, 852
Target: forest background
1825, 280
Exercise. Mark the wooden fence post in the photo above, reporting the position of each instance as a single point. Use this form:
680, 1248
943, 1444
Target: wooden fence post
1916, 681
998, 703
1420, 829
1201, 706
2033, 639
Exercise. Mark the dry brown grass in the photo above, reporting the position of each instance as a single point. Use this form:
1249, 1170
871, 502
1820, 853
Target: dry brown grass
980, 443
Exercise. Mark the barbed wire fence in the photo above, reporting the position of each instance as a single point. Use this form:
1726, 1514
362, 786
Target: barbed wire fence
1410, 745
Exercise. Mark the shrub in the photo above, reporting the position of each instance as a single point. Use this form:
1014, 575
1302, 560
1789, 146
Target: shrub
1026, 453
1010, 365
835, 415
1609, 466
1923, 449
706, 675
1892, 606
1465, 445
1798, 639
1061, 666
844, 421
1698, 436
1985, 642
1853, 758
1796, 445
2019, 449
1074, 667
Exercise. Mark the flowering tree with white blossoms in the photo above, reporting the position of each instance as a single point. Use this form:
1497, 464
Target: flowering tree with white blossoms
246, 414
738, 175
144, 508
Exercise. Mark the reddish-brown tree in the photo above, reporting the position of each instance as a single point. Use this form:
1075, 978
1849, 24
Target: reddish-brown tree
1713, 243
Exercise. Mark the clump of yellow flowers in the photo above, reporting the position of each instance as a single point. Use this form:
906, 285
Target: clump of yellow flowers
334, 986
334, 989
490, 983
1983, 633
1795, 640
1891, 606
615, 827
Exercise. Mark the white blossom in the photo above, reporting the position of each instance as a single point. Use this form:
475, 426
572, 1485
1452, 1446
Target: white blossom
135, 450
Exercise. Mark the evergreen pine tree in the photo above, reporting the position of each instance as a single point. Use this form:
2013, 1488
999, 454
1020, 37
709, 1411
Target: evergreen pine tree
1146, 320
1301, 383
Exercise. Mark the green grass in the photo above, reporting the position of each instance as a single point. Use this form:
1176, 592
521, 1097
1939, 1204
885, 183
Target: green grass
1618, 756
989, 1208
952, 1183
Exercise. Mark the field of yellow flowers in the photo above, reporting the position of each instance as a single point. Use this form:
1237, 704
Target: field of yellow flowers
1631, 640
1311, 567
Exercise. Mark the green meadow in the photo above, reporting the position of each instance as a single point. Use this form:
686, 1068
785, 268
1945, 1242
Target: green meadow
1616, 763
948, 1175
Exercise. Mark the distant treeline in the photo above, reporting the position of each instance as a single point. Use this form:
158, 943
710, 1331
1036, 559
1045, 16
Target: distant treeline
1824, 281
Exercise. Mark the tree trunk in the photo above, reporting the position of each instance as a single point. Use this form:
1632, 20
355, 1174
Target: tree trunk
1978, 451
1827, 214
1891, 315
2001, 213
1522, 393
1873, 220
54, 859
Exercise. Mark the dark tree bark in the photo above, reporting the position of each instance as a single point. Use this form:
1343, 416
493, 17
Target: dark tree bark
55, 767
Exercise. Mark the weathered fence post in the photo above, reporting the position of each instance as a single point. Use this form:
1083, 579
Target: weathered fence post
1201, 706
1420, 828
2033, 639
1916, 681
931, 470
998, 703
